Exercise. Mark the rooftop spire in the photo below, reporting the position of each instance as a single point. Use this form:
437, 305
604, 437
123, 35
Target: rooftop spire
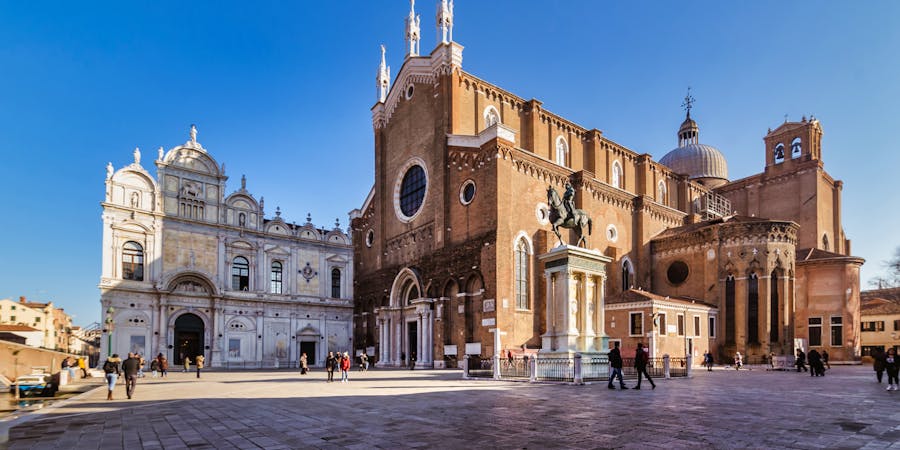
689, 133
688, 102
383, 80
445, 20
412, 30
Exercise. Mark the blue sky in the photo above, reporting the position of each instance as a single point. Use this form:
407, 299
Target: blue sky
282, 91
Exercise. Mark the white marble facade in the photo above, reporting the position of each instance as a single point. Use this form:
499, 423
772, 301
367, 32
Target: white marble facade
187, 269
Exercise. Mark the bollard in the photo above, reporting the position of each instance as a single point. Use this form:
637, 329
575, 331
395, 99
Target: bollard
496, 362
666, 366
579, 379
532, 362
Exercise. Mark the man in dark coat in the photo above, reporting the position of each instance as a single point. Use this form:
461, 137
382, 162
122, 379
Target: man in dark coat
615, 361
816, 369
330, 364
641, 358
131, 366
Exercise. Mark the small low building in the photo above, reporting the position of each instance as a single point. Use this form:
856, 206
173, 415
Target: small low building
32, 336
880, 321
674, 326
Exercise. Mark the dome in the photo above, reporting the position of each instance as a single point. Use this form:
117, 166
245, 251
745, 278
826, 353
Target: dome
697, 161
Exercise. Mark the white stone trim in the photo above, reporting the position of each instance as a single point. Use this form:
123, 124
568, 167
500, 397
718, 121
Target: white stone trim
496, 131
462, 190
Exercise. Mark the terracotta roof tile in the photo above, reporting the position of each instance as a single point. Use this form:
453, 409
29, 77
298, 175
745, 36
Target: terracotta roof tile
17, 328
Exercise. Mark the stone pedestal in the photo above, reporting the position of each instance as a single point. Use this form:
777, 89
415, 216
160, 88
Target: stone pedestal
575, 279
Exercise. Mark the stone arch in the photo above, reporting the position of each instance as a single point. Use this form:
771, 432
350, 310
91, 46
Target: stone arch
403, 282
191, 282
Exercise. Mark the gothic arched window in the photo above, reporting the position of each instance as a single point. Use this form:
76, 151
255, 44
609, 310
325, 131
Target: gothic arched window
616, 177
335, 283
753, 309
240, 274
662, 194
729, 309
562, 151
491, 117
626, 275
773, 307
521, 267
275, 280
132, 261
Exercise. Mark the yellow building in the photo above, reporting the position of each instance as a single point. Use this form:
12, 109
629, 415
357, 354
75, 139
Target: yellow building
53, 323
880, 320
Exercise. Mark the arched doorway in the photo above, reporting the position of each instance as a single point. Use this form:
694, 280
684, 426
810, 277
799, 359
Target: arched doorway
188, 337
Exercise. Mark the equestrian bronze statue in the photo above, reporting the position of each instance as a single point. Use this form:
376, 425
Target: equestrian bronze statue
564, 215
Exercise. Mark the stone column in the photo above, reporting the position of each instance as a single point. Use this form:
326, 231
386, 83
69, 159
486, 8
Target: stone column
420, 355
590, 315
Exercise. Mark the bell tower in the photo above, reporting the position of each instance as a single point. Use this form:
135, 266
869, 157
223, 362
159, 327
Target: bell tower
794, 142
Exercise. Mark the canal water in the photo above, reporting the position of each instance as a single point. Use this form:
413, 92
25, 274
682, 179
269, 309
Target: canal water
9, 405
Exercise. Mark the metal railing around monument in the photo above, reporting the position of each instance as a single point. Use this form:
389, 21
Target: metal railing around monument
577, 369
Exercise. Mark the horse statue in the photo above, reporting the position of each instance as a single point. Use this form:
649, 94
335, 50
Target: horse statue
559, 218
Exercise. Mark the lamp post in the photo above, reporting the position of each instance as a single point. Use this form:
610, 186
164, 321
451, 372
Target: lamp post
109, 330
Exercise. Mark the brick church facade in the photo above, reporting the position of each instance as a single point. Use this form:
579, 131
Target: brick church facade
447, 244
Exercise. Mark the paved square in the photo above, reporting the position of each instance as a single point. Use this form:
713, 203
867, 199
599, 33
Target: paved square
436, 409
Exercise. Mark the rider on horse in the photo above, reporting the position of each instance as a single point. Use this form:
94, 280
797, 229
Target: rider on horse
569, 200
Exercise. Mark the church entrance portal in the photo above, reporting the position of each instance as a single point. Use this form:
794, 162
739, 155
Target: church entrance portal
310, 349
188, 337
412, 334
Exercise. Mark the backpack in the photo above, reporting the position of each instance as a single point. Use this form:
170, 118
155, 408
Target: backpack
109, 367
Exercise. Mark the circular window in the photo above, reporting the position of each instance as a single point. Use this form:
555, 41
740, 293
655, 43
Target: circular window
370, 238
677, 272
409, 91
467, 192
611, 233
410, 189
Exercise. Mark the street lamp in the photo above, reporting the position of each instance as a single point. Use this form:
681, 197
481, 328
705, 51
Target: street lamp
109, 329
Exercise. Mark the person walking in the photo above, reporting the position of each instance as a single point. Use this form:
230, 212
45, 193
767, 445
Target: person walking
200, 359
141, 366
708, 361
187, 364
801, 360
364, 361
154, 367
641, 358
892, 367
345, 368
738, 361
82, 364
878, 363
412, 361
131, 367
825, 359
615, 362
163, 365
111, 369
815, 364
303, 364
330, 363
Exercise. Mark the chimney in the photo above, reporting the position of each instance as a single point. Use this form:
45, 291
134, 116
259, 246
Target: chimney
22, 299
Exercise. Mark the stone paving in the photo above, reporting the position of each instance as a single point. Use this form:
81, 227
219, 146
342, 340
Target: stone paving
436, 409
